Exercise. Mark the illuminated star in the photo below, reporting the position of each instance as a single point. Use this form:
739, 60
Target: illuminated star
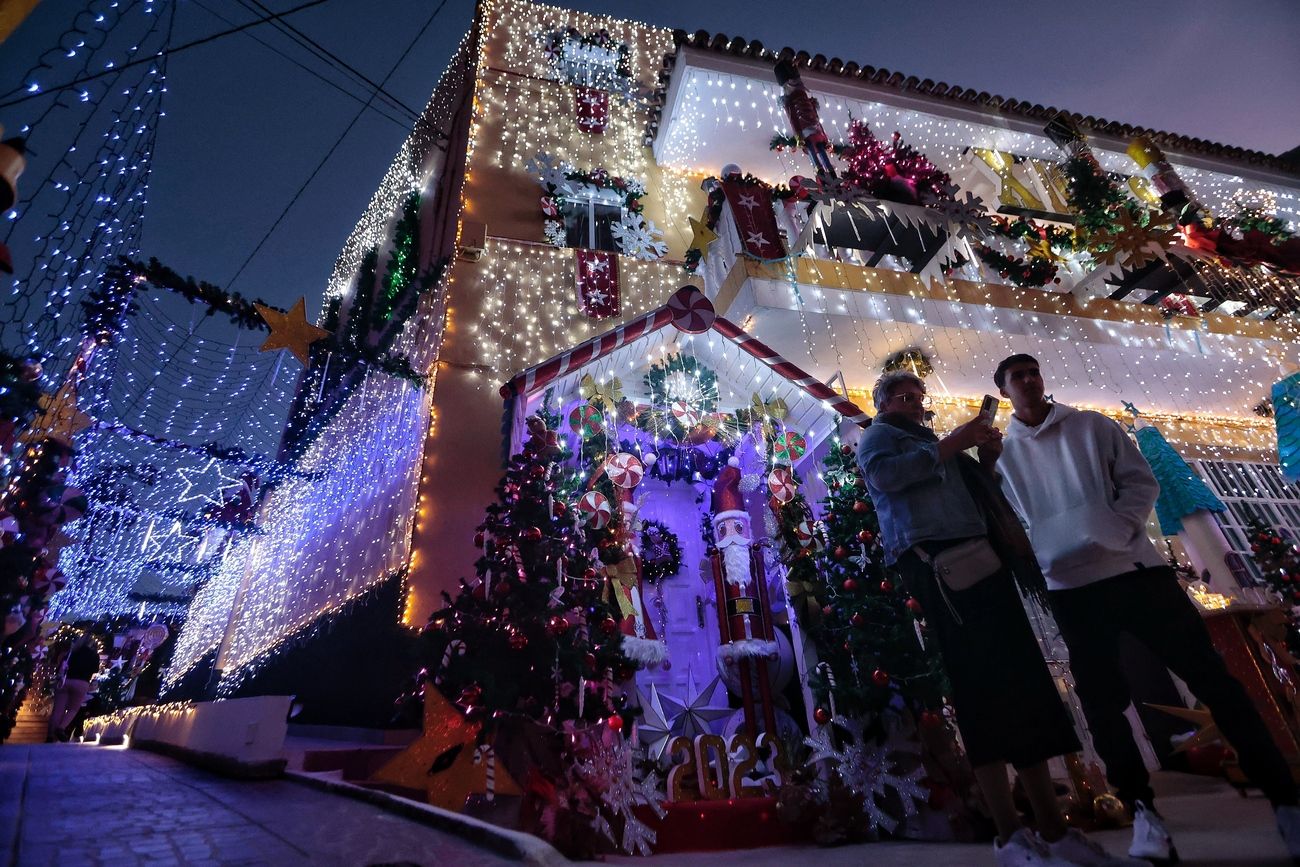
291, 330
192, 478
173, 540
595, 296
597, 266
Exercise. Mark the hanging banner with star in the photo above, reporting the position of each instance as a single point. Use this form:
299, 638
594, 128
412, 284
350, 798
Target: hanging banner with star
592, 110
751, 206
597, 282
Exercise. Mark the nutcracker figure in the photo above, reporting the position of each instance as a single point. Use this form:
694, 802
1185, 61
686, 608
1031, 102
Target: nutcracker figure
625, 585
801, 109
744, 610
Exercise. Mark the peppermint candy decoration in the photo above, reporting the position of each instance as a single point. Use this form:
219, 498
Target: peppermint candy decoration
625, 470
803, 533
586, 421
49, 580
782, 484
789, 447
685, 413
692, 312
595, 507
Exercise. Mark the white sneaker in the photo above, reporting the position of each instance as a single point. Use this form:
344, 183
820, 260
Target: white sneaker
1025, 849
1151, 839
1288, 825
1076, 848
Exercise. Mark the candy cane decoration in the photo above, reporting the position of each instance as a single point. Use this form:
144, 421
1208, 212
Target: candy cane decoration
486, 753
824, 669
455, 646
815, 387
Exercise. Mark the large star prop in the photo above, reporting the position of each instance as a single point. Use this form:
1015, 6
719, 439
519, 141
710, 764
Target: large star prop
60, 416
694, 713
701, 235
1207, 731
290, 330
655, 729
442, 761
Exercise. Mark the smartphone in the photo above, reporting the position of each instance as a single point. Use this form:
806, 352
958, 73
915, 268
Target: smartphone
989, 409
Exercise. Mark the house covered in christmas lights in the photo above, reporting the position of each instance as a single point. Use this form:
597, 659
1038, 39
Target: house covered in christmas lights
580, 187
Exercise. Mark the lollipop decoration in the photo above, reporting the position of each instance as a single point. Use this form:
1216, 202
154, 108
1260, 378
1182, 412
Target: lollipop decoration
789, 447
624, 470
586, 421
687, 415
782, 484
596, 508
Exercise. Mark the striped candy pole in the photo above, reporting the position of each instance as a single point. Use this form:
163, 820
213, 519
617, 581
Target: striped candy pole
824, 669
815, 387
482, 754
584, 353
456, 646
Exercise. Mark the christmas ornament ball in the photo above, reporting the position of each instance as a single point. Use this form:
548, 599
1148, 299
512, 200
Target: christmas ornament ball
609, 626
557, 625
590, 661
849, 585
865, 536
479, 539
861, 506
615, 723
840, 552
822, 716
846, 450
913, 606
532, 534
471, 694
880, 677
886, 586
858, 620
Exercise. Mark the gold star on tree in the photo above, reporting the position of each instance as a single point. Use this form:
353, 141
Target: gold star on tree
60, 416
291, 330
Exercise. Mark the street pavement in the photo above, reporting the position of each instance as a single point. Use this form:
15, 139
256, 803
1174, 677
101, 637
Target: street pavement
74, 804
67, 805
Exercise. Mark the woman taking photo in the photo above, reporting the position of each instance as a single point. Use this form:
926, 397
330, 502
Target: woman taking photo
961, 551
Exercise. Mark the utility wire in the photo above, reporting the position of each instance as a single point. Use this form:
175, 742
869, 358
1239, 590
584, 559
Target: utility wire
312, 45
231, 282
400, 121
166, 52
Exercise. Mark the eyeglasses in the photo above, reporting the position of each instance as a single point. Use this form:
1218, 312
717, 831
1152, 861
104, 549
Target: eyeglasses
910, 397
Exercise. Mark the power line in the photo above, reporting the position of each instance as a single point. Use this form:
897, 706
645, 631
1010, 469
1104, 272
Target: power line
305, 40
166, 52
231, 282
404, 123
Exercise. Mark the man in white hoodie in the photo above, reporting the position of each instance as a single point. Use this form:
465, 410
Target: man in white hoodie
1086, 492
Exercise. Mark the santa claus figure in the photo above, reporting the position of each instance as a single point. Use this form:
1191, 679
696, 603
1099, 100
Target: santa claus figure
744, 611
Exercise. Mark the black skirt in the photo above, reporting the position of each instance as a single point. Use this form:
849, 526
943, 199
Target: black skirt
1008, 708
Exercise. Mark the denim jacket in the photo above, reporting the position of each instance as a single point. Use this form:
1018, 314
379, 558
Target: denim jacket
917, 498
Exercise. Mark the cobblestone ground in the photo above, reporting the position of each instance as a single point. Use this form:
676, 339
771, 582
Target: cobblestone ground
70, 805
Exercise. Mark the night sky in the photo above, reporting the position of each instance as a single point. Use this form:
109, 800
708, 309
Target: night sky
244, 127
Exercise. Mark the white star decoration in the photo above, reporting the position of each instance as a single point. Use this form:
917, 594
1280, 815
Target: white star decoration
747, 201
199, 479
172, 539
597, 266
654, 729
696, 710
756, 239
595, 296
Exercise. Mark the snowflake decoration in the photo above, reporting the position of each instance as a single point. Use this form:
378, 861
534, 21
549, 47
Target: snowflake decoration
1133, 244
966, 216
554, 231
550, 172
609, 767
639, 238
868, 769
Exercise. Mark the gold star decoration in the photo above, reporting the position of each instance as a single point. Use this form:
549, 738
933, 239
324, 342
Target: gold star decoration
60, 416
1133, 244
608, 393
442, 761
291, 330
701, 235
1207, 732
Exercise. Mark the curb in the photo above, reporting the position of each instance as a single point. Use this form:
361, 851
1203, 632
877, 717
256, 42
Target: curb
512, 844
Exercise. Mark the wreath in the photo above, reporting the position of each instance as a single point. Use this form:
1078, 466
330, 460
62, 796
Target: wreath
682, 377
912, 359
661, 551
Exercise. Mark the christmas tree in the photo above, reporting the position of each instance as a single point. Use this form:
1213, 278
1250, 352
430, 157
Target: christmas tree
531, 634
893, 170
1279, 563
864, 627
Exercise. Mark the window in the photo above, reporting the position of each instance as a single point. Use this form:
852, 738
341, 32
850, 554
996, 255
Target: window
1251, 491
588, 221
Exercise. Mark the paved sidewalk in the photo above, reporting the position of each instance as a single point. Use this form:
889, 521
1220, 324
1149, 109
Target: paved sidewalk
72, 804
